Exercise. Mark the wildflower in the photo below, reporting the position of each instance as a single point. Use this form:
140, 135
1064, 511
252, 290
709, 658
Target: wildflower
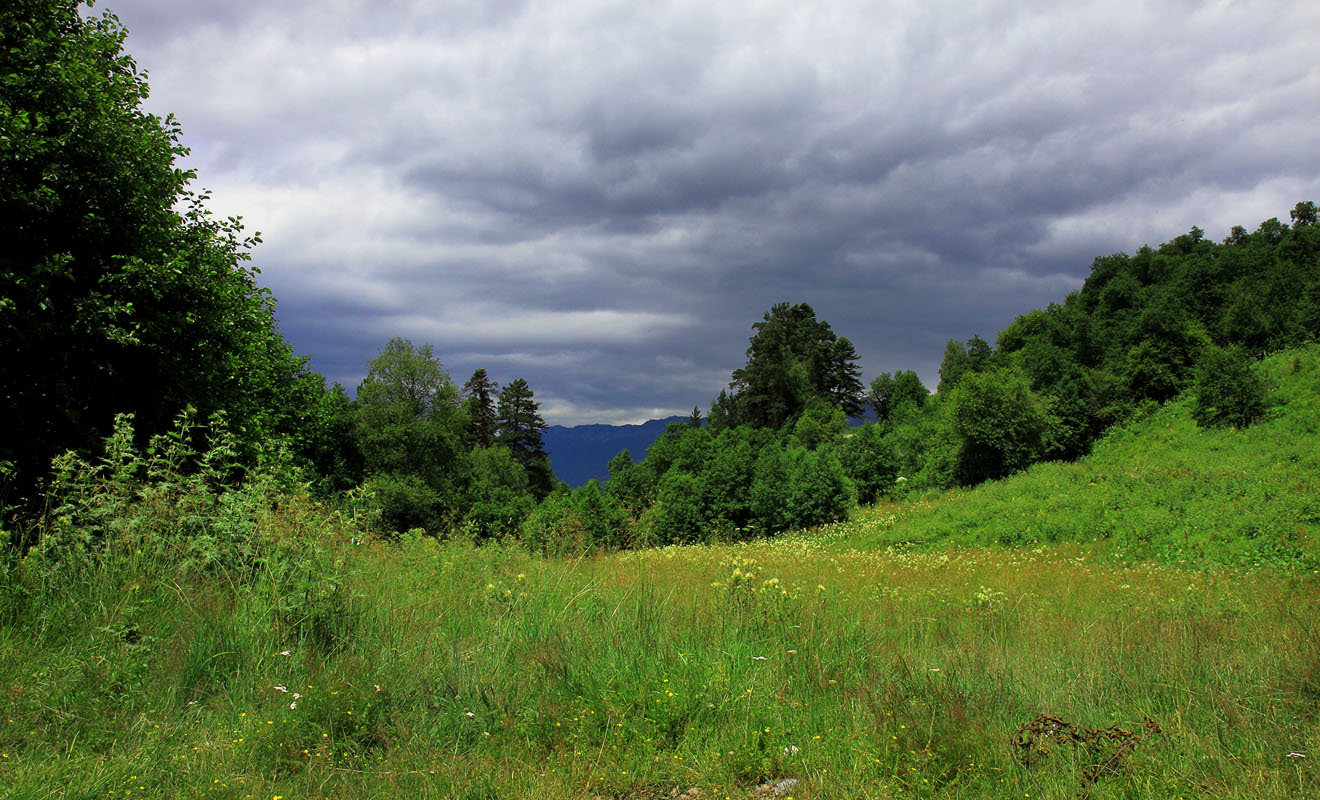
469, 714
1297, 755
284, 689
286, 653
293, 705
297, 696
758, 658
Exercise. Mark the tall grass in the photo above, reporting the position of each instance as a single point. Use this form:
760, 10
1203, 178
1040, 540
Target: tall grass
486, 672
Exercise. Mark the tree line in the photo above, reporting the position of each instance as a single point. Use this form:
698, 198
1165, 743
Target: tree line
121, 292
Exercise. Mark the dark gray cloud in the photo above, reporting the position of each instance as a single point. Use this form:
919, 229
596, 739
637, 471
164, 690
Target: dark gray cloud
603, 197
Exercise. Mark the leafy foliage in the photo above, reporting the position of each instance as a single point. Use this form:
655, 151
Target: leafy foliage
1002, 425
410, 431
792, 358
111, 300
1227, 390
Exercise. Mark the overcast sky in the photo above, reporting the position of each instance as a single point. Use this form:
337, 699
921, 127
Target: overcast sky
602, 197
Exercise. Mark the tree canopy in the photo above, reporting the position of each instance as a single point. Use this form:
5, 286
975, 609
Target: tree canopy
111, 299
791, 359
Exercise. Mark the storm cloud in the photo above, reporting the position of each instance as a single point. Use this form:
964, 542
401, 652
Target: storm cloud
603, 197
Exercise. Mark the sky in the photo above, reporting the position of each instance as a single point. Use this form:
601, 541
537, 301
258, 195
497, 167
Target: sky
603, 197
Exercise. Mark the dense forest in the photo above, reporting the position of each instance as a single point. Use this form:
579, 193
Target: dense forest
127, 306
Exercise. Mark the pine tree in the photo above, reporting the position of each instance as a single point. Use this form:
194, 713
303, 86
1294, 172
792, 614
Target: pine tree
520, 426
694, 419
479, 404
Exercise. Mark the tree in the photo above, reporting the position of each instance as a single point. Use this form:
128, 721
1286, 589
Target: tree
519, 425
792, 358
959, 360
1002, 425
726, 481
333, 449
953, 367
679, 518
410, 431
694, 419
841, 383
479, 405
908, 390
119, 292
498, 496
891, 392
627, 484
818, 490
821, 423
1303, 214
724, 412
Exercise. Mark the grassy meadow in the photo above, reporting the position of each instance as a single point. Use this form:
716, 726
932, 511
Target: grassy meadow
1157, 601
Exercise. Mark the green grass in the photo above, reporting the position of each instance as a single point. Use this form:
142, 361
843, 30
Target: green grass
894, 655
1158, 488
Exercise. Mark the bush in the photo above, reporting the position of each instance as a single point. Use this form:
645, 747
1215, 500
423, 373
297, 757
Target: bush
406, 502
1227, 391
1002, 424
868, 461
680, 519
818, 490
576, 521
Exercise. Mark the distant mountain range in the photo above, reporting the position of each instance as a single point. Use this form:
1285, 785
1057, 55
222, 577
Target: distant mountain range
583, 452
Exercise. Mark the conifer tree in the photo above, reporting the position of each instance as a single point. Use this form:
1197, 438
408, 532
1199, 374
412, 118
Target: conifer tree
479, 403
520, 426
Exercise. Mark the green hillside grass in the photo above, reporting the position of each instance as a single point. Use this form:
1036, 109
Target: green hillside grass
895, 655
1157, 488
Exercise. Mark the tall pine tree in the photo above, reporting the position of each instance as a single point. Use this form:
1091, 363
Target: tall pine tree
520, 426
479, 404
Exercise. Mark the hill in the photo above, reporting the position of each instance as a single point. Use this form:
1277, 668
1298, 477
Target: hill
1157, 487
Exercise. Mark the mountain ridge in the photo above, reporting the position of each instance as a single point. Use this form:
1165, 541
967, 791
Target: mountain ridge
581, 453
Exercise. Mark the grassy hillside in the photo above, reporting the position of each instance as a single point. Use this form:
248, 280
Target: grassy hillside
165, 660
1157, 488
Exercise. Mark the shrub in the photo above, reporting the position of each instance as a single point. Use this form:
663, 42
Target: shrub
1227, 391
818, 490
406, 502
868, 461
680, 519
